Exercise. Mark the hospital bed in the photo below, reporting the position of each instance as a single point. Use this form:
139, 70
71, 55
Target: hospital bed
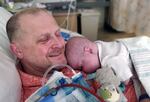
10, 83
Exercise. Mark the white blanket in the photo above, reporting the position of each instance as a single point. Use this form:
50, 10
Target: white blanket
139, 49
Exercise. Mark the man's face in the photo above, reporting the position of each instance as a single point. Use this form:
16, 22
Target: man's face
41, 43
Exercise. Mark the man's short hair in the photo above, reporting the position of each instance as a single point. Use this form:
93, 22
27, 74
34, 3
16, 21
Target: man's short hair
13, 27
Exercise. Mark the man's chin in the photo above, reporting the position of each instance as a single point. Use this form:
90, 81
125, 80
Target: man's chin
63, 61
59, 60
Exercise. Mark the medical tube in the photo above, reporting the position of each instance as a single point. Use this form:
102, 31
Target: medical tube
55, 67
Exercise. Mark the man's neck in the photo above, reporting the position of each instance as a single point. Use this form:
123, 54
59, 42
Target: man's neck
27, 69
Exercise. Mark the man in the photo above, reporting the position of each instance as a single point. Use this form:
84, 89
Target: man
36, 41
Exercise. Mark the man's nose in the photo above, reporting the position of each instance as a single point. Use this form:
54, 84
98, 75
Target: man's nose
57, 44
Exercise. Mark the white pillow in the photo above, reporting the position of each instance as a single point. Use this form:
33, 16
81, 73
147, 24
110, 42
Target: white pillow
4, 45
10, 84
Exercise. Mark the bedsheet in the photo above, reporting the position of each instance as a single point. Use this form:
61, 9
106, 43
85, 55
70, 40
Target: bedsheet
139, 50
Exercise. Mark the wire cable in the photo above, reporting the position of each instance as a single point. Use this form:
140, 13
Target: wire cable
55, 67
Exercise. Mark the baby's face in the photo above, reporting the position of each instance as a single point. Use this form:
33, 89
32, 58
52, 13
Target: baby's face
84, 63
90, 63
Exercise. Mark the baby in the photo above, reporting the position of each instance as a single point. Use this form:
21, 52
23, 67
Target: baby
110, 61
88, 56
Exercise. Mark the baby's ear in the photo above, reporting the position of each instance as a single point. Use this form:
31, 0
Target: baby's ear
87, 49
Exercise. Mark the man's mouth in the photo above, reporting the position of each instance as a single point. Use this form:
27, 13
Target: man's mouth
55, 53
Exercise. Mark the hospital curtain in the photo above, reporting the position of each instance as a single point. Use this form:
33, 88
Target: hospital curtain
130, 16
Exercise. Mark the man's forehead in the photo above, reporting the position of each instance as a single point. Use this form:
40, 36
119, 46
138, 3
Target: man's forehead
34, 15
28, 16
31, 20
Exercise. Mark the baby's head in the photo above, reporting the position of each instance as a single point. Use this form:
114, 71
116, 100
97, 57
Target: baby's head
82, 54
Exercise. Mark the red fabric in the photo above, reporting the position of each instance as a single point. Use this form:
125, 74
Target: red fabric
130, 92
31, 83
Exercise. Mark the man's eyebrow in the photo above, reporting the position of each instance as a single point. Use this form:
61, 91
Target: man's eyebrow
49, 33
43, 34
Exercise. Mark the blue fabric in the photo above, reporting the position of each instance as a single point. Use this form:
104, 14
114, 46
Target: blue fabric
49, 98
65, 35
64, 94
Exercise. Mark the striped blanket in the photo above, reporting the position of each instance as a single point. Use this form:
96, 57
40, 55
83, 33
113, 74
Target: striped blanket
139, 49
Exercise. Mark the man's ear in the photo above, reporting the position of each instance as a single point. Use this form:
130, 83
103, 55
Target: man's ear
16, 50
88, 49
